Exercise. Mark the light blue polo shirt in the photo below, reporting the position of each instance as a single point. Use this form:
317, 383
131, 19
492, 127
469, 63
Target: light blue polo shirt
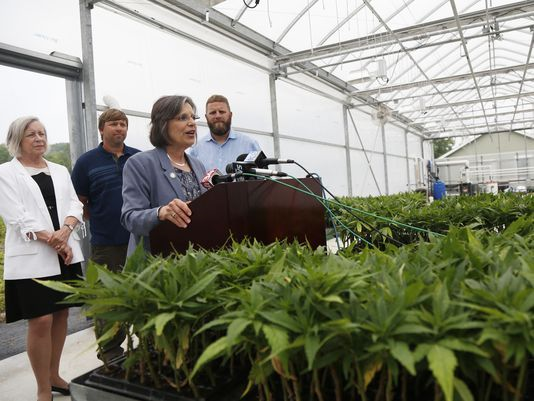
215, 155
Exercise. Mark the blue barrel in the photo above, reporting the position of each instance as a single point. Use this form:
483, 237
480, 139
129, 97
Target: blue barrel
439, 190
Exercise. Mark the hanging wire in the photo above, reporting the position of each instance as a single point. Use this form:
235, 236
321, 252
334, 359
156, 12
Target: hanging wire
310, 27
337, 24
247, 4
269, 14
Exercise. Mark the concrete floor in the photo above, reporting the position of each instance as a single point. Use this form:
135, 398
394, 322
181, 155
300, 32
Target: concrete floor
17, 382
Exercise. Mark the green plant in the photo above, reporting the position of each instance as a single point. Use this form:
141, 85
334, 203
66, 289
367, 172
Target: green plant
446, 319
390, 215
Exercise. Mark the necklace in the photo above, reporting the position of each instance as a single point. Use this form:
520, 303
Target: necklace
176, 163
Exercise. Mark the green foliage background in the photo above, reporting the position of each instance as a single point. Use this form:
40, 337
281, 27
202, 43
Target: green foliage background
442, 146
4, 154
57, 153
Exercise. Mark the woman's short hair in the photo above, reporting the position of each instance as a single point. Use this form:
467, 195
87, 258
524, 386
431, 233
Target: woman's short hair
15, 134
164, 110
111, 115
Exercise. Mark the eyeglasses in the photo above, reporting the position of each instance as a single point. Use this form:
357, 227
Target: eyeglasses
186, 117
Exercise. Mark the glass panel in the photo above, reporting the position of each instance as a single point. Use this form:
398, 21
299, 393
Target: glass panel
27, 93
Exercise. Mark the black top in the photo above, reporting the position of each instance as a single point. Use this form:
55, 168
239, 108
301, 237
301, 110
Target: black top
47, 189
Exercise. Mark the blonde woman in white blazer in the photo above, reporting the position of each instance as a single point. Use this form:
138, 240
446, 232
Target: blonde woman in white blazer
41, 213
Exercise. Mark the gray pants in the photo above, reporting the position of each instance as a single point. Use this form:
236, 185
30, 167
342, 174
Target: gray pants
114, 256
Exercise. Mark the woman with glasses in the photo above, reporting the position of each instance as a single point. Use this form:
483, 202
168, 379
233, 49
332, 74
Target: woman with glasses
158, 183
41, 213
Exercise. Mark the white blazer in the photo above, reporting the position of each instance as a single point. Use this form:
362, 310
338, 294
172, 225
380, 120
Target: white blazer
24, 212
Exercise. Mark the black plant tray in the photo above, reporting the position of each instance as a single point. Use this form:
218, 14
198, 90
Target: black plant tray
100, 385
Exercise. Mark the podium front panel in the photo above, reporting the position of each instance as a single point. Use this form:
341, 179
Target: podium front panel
257, 209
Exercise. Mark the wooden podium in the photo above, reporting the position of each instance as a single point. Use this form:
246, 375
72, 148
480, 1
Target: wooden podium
257, 209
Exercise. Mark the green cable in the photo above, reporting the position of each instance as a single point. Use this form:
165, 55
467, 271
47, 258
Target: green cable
323, 201
397, 223
319, 198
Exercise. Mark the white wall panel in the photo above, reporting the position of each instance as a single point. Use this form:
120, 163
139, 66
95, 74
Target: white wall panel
370, 132
395, 143
138, 130
427, 151
363, 183
397, 174
147, 63
327, 161
41, 26
414, 145
303, 114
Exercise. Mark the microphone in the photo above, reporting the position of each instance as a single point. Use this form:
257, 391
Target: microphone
248, 167
259, 159
262, 171
271, 160
214, 177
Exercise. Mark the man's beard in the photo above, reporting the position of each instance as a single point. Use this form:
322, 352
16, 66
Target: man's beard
220, 128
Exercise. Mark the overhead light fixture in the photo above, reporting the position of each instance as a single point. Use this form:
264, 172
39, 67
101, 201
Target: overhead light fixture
422, 105
462, 49
380, 69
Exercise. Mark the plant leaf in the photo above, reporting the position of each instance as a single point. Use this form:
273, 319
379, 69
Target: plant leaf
442, 363
211, 352
462, 390
401, 352
311, 346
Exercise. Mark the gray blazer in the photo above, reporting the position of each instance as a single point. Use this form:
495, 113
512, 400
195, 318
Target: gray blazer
149, 182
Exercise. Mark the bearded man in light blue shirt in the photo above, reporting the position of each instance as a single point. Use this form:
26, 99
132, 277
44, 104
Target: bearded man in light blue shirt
222, 145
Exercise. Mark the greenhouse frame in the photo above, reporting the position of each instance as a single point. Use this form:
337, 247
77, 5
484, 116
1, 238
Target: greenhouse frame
354, 90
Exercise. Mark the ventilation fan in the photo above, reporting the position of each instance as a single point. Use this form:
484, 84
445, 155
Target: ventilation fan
381, 115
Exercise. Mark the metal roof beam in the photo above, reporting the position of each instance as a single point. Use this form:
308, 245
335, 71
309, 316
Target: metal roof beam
222, 24
487, 126
418, 47
468, 58
401, 45
523, 78
480, 133
295, 20
448, 117
55, 64
424, 30
444, 80
473, 101
507, 83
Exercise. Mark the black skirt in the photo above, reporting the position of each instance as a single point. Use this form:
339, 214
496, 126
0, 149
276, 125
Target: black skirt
27, 299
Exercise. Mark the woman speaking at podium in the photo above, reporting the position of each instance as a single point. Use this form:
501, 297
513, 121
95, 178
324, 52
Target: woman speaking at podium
159, 183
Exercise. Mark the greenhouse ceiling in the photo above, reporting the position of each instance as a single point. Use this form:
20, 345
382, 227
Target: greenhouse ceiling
445, 67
